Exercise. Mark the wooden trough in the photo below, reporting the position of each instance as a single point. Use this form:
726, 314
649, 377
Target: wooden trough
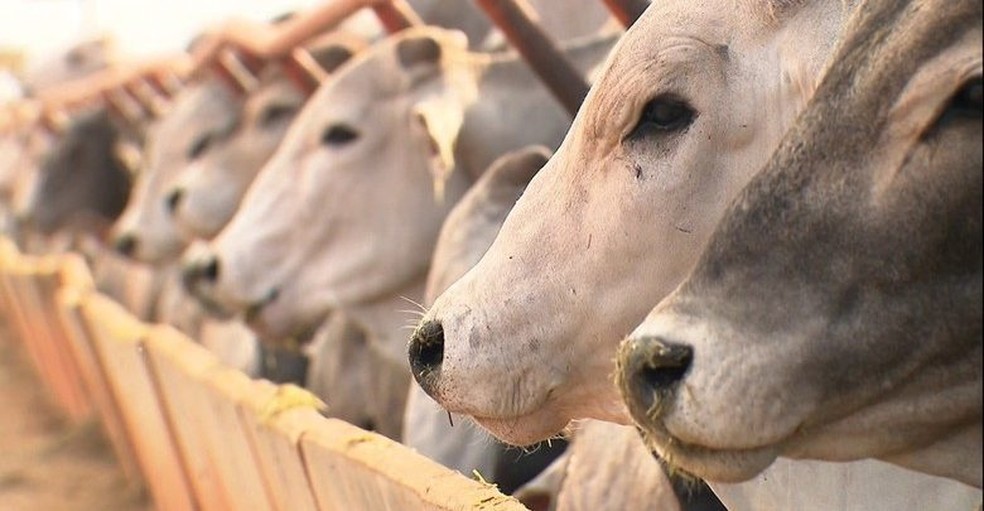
200, 435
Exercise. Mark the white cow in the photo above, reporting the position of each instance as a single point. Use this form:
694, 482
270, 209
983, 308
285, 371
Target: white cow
206, 192
202, 112
344, 215
837, 311
693, 100
606, 466
465, 236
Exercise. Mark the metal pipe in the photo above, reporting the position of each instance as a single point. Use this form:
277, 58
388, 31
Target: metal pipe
554, 69
626, 11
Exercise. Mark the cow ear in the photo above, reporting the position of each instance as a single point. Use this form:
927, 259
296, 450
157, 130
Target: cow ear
335, 50
332, 57
441, 119
418, 50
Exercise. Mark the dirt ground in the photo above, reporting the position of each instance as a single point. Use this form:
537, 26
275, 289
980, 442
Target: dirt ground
47, 463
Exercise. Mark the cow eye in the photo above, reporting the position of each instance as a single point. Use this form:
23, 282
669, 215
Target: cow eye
339, 134
968, 101
275, 114
664, 114
199, 147
965, 104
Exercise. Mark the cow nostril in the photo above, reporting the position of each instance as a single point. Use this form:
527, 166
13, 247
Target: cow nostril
426, 352
210, 270
664, 364
649, 371
203, 270
173, 199
126, 244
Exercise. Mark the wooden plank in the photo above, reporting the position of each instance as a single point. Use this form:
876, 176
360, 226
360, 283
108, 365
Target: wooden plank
351, 468
96, 381
11, 297
276, 433
48, 280
21, 287
226, 389
118, 339
179, 367
8, 251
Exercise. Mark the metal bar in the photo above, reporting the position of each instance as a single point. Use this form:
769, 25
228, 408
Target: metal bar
141, 90
626, 11
302, 69
554, 69
234, 73
396, 15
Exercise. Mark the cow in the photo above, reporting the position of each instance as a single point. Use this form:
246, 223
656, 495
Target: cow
344, 214
693, 100
69, 198
201, 113
82, 183
206, 192
468, 231
207, 195
836, 311
606, 466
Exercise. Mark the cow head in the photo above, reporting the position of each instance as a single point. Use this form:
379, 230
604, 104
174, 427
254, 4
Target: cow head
344, 211
201, 115
81, 183
208, 191
694, 99
836, 313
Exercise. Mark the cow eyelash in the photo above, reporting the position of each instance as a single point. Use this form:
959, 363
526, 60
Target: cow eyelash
664, 114
338, 135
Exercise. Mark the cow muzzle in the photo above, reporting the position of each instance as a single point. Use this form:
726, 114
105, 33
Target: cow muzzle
649, 371
126, 244
198, 276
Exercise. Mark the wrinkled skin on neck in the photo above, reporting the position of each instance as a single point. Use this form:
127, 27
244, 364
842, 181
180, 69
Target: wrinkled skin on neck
202, 113
619, 215
836, 313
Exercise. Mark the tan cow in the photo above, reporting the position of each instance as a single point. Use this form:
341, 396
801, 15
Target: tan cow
836, 313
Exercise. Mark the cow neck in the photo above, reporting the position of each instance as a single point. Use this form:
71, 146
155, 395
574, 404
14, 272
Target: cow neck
513, 109
386, 320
